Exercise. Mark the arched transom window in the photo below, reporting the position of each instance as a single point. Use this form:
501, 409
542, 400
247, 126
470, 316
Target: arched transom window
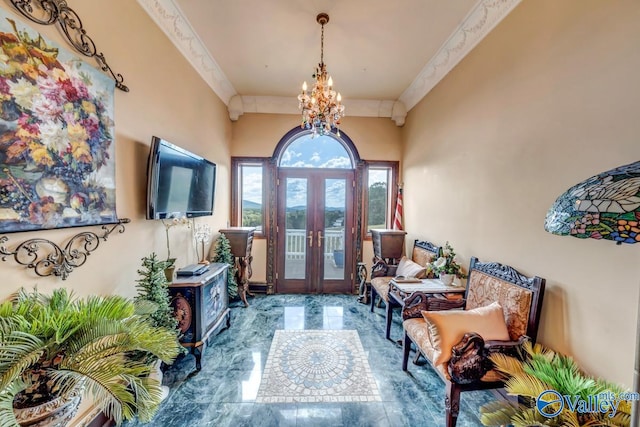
325, 151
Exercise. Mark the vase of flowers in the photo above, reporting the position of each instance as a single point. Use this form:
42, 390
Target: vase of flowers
446, 266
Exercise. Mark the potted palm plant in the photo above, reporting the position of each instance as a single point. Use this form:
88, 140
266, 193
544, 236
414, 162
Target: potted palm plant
55, 348
553, 391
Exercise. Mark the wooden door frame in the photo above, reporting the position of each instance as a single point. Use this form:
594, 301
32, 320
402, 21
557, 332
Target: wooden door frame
270, 213
314, 280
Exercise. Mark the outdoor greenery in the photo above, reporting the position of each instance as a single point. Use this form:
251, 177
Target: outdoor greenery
53, 345
251, 217
377, 203
296, 218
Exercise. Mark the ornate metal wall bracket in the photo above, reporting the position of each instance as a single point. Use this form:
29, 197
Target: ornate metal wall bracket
49, 12
47, 258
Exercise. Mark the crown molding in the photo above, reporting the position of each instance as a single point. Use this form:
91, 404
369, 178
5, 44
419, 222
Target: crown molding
170, 18
483, 18
239, 105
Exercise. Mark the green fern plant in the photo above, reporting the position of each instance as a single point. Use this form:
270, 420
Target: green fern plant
51, 345
153, 288
540, 369
222, 250
153, 299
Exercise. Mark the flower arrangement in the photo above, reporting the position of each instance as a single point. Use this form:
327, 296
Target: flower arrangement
446, 263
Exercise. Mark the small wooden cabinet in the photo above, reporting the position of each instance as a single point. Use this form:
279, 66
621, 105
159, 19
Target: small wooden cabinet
201, 305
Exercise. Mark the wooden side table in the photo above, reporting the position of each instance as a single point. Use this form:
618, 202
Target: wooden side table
399, 291
241, 240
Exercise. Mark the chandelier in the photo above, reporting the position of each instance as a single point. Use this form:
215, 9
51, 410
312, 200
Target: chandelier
321, 107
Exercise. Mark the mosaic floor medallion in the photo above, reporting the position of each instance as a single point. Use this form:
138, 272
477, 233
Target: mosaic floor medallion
317, 366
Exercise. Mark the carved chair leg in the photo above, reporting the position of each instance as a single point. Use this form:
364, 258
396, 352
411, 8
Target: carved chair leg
406, 348
451, 404
388, 319
417, 356
374, 294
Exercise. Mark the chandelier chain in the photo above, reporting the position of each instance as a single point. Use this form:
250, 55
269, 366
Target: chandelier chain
322, 45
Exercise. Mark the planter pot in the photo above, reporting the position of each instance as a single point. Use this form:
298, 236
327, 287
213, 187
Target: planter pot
447, 279
168, 273
156, 374
54, 413
338, 258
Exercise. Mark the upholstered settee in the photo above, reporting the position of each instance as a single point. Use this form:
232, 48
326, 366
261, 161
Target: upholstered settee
423, 252
499, 311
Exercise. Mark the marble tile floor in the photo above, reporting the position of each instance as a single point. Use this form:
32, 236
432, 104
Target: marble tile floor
223, 393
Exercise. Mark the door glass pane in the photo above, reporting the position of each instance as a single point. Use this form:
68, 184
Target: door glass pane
296, 242
335, 198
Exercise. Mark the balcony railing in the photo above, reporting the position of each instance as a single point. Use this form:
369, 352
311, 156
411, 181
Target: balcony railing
296, 243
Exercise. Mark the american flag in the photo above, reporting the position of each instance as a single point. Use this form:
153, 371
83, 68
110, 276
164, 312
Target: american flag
397, 218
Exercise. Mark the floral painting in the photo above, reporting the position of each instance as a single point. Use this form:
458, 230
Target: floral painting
56, 135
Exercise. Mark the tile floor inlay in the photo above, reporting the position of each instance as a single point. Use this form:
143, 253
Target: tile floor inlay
317, 366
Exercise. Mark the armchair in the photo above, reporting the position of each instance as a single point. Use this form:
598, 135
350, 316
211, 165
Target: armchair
382, 272
500, 310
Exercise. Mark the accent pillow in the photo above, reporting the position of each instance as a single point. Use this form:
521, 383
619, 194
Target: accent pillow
446, 328
408, 268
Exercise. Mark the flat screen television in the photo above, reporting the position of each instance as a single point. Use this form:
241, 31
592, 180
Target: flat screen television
179, 183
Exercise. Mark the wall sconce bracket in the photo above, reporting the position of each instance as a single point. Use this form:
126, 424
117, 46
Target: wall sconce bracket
48, 258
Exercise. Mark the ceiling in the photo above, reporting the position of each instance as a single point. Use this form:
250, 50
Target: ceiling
384, 56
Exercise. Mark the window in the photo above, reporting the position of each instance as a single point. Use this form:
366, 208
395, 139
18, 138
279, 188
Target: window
326, 151
380, 193
248, 195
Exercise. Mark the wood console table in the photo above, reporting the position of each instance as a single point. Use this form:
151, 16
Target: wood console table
201, 306
241, 241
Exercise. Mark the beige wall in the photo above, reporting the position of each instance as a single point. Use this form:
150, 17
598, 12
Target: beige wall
256, 135
168, 99
549, 98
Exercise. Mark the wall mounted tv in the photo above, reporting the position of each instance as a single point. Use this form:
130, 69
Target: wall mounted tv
179, 183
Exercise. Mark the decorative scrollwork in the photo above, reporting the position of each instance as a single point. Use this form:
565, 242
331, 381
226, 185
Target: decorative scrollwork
48, 258
51, 11
506, 273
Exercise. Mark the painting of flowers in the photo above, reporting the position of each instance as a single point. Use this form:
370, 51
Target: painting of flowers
56, 135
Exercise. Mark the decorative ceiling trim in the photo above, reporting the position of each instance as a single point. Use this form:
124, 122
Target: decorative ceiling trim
483, 18
170, 18
239, 105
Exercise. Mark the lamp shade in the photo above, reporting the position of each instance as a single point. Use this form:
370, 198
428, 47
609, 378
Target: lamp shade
605, 206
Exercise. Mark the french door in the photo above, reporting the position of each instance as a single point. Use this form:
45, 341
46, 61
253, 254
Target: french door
315, 231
